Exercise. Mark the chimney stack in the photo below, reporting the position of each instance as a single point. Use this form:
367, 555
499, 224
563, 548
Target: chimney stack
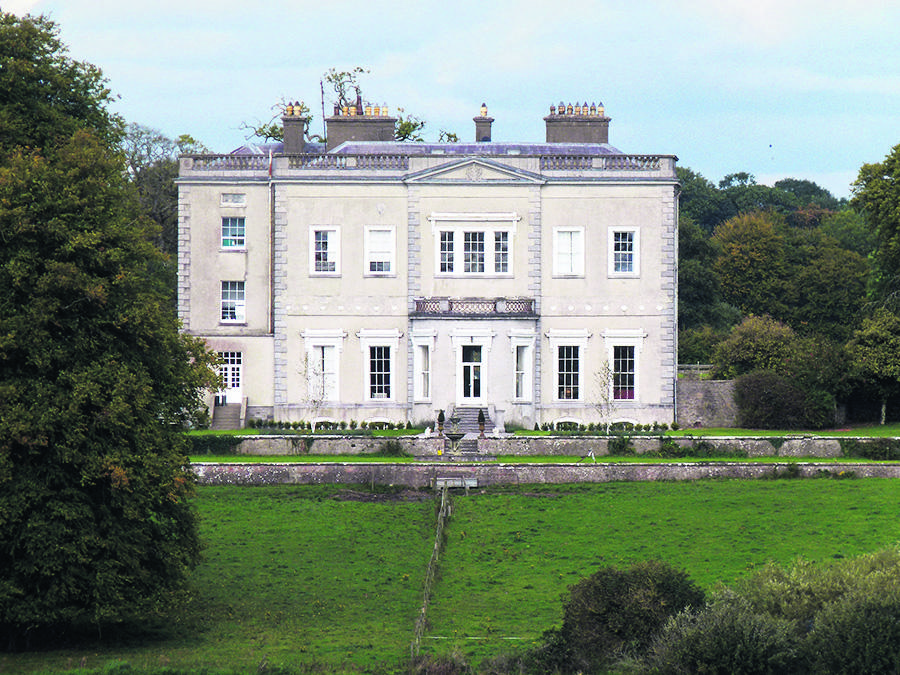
294, 122
359, 122
579, 123
483, 126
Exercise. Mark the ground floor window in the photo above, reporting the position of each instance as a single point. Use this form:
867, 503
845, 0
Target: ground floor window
568, 370
623, 373
379, 372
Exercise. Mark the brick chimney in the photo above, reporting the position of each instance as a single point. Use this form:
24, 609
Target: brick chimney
483, 126
294, 123
578, 123
359, 123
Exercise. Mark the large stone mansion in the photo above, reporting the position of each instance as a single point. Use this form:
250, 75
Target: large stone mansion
367, 279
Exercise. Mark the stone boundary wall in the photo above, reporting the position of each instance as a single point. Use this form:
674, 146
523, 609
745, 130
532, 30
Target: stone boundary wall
705, 403
547, 446
423, 475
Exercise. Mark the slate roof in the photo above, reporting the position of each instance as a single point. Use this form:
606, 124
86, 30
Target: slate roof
412, 148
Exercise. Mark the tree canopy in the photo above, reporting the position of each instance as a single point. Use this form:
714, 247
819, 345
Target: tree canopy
876, 193
96, 382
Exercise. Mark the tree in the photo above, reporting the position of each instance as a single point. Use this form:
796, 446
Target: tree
757, 343
876, 194
699, 292
96, 382
751, 264
874, 353
46, 96
151, 159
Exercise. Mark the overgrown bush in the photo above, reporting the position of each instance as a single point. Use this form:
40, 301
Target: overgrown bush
858, 634
616, 612
620, 445
765, 400
213, 445
876, 448
726, 637
392, 448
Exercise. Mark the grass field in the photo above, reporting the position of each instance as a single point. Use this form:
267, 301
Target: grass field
330, 579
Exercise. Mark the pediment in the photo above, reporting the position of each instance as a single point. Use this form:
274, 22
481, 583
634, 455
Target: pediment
474, 171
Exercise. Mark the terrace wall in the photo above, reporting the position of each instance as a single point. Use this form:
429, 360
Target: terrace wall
546, 446
425, 475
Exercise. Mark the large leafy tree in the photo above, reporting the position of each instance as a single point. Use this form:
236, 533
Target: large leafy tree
876, 192
874, 353
96, 382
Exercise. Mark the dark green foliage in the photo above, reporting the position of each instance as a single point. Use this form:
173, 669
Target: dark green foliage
96, 383
725, 638
213, 444
766, 400
620, 445
859, 634
45, 96
616, 612
876, 193
881, 449
392, 448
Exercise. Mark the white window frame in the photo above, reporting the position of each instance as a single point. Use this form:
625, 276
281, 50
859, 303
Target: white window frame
233, 298
485, 224
569, 338
624, 338
635, 270
374, 337
522, 340
387, 257
573, 253
229, 242
333, 250
423, 353
314, 339
479, 337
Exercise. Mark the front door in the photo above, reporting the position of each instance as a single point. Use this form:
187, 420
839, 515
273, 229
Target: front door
230, 369
470, 375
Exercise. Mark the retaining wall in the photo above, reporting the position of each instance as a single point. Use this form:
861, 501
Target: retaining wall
547, 446
422, 475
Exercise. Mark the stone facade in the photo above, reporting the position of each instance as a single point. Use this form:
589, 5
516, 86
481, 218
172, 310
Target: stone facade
372, 280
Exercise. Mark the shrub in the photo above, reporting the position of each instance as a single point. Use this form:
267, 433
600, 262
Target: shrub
725, 637
620, 445
858, 634
876, 448
617, 611
765, 400
392, 448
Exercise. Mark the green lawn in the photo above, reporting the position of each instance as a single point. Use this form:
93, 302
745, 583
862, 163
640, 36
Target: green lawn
295, 576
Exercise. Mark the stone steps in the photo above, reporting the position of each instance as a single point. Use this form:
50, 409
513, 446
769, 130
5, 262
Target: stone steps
226, 416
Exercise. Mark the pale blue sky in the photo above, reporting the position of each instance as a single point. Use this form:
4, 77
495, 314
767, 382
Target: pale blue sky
800, 88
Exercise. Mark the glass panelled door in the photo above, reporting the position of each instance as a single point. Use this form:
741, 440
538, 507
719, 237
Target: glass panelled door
230, 369
471, 375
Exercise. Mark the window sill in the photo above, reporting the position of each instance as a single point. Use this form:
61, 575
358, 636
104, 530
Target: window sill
232, 249
326, 275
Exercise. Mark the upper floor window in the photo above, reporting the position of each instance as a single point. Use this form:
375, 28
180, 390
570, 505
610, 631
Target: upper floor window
623, 252
233, 234
325, 251
474, 251
568, 247
232, 306
380, 247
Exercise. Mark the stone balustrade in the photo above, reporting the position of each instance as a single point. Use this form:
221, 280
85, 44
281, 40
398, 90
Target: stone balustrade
456, 307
